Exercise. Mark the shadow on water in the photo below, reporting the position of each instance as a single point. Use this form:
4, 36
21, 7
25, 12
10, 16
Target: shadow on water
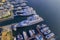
15, 20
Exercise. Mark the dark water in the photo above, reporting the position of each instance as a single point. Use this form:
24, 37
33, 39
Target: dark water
49, 10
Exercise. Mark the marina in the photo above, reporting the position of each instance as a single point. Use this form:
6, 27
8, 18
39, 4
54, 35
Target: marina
29, 28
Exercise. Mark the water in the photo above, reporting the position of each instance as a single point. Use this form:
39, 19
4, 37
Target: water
49, 10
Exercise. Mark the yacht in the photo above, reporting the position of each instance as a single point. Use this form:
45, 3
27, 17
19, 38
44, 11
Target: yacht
26, 11
41, 26
50, 36
44, 29
19, 37
47, 32
20, 1
25, 35
30, 21
15, 38
39, 37
31, 32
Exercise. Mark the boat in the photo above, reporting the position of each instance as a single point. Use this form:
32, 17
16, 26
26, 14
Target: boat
47, 32
17, 1
21, 9
31, 32
26, 11
17, 4
25, 35
41, 26
44, 29
30, 21
19, 37
15, 38
39, 37
50, 36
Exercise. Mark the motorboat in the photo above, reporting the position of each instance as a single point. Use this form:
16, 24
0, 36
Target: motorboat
44, 29
30, 21
15, 38
49, 36
23, 4
25, 35
52, 39
31, 32
47, 32
19, 37
20, 1
26, 11
41, 26
39, 37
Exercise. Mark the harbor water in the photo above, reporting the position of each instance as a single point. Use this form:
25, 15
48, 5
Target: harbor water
49, 10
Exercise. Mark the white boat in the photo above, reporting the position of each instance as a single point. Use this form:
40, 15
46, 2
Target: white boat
23, 4
30, 21
26, 11
31, 32
1, 8
47, 32
52, 39
44, 29
25, 35
19, 37
15, 38
49, 36
39, 37
41, 26
20, 1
